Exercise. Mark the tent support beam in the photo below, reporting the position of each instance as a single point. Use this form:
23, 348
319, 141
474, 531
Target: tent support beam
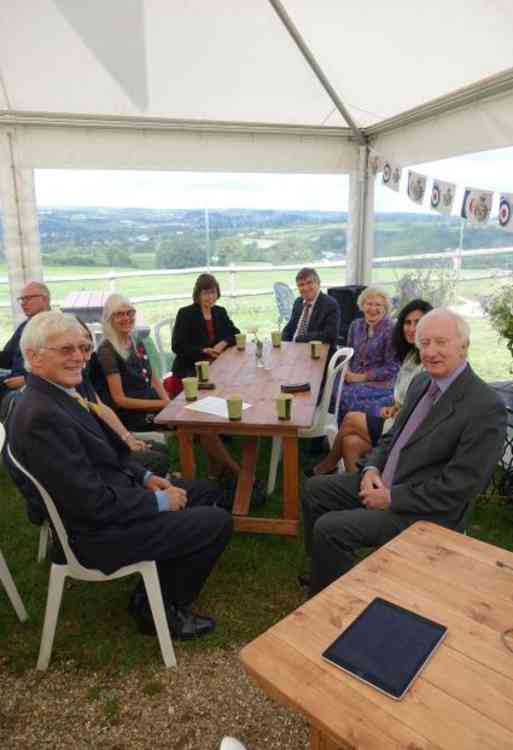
20, 222
126, 122
317, 70
502, 83
360, 231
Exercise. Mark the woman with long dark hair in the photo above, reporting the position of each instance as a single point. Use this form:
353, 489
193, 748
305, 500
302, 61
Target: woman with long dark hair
359, 431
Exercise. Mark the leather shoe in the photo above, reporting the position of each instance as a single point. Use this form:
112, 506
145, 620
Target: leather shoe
183, 624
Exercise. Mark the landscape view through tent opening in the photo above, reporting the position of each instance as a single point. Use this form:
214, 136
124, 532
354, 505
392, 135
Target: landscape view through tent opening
148, 235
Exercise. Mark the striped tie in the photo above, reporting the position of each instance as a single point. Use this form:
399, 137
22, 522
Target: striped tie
303, 326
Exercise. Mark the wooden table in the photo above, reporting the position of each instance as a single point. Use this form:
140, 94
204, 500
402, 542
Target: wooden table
88, 305
463, 700
236, 372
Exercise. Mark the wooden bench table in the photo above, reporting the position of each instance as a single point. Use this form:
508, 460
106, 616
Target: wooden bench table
463, 699
88, 305
236, 372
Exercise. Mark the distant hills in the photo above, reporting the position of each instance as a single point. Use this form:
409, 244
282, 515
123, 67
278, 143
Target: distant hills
169, 238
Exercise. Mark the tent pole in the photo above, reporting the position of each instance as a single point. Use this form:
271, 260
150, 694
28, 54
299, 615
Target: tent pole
20, 223
316, 68
360, 232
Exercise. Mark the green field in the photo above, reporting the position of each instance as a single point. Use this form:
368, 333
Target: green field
489, 356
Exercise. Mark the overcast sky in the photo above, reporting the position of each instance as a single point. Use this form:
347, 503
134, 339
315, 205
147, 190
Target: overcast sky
492, 170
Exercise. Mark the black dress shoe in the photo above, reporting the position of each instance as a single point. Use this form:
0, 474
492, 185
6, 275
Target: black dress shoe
183, 624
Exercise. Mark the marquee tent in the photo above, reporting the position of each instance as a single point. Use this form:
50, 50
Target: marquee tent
245, 85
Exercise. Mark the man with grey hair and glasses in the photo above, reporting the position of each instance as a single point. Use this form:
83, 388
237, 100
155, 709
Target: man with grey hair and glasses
437, 458
115, 513
34, 298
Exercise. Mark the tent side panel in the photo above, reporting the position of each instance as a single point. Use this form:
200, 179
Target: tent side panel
62, 147
484, 125
19, 216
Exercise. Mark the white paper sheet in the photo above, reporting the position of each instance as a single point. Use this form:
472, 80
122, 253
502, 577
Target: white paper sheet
213, 405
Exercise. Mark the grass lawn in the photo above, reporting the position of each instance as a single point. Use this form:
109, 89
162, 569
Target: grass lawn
252, 587
255, 575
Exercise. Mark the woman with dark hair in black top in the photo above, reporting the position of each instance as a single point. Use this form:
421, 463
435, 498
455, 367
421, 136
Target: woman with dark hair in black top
202, 330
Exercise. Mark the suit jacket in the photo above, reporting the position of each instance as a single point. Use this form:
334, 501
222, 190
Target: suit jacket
323, 324
450, 458
11, 357
85, 467
190, 336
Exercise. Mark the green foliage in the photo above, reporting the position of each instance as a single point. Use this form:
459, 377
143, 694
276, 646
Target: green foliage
499, 309
118, 256
182, 251
433, 285
292, 250
69, 260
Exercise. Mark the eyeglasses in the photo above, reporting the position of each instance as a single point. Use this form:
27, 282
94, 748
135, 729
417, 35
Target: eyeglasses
69, 350
124, 314
28, 297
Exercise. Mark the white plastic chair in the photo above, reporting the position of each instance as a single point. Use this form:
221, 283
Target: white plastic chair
324, 422
166, 324
73, 569
11, 590
284, 300
5, 575
44, 538
230, 743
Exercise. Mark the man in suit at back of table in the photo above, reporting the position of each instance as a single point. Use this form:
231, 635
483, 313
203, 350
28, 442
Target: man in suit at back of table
114, 511
437, 458
315, 315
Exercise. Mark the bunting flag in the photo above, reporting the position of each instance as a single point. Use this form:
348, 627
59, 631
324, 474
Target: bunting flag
505, 217
442, 196
416, 186
392, 175
476, 205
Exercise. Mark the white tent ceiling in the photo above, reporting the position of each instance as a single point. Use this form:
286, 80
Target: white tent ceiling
233, 60
249, 85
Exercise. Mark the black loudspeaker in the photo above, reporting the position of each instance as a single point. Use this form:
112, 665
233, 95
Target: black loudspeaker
346, 297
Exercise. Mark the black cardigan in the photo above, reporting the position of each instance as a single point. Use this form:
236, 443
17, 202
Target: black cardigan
190, 336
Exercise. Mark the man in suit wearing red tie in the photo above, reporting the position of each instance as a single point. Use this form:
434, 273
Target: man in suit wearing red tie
431, 466
115, 512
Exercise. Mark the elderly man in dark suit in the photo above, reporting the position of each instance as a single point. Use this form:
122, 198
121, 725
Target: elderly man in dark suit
115, 513
315, 315
34, 298
437, 458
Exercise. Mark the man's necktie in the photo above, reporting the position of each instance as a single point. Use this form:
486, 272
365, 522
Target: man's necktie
417, 416
303, 326
87, 405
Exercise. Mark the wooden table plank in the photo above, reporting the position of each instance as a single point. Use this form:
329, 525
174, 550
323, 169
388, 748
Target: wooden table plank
464, 696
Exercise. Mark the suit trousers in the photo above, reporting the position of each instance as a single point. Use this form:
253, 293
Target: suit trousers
185, 544
336, 524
